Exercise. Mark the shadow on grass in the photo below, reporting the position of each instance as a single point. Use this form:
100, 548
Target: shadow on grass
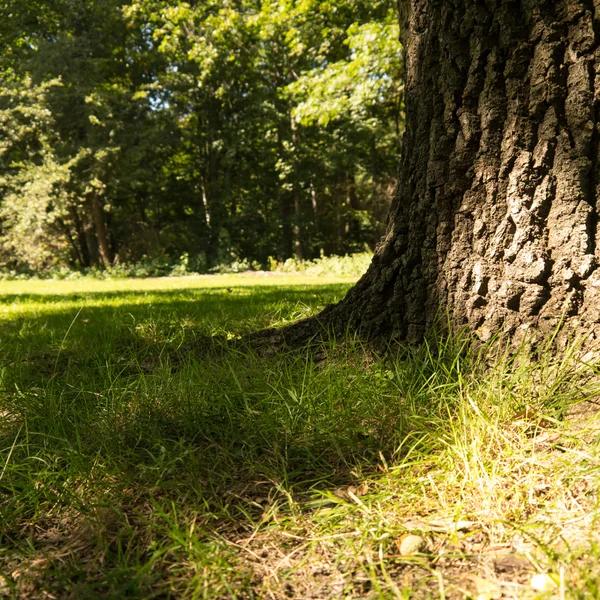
99, 326
110, 462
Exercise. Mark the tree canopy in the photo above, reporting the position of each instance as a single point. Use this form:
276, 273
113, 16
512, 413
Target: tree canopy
223, 130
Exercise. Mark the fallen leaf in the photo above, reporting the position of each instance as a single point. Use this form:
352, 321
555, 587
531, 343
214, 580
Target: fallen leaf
497, 548
340, 493
4, 587
448, 525
359, 491
548, 437
527, 413
351, 491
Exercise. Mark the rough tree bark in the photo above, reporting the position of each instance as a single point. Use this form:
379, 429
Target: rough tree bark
495, 217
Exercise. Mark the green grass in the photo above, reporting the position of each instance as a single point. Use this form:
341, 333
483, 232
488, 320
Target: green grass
127, 474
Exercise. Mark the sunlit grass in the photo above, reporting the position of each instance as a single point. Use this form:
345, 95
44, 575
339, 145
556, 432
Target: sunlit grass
126, 474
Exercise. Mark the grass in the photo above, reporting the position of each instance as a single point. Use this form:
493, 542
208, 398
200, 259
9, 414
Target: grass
124, 474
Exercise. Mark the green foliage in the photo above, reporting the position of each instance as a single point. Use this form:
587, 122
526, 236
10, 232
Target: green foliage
229, 132
35, 200
353, 265
352, 89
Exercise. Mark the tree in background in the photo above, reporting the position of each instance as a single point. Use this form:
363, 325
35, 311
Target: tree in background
246, 129
355, 106
92, 115
36, 207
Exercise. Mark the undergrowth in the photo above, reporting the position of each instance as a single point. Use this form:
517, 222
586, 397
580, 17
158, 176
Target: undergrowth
127, 474
350, 265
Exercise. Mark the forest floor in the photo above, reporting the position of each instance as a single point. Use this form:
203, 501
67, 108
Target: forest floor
131, 469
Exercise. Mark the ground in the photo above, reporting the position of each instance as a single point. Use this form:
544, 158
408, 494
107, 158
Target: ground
133, 466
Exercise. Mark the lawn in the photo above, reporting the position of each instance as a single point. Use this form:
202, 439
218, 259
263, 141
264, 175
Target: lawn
134, 466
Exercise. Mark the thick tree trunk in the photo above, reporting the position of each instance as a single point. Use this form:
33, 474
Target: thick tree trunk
495, 216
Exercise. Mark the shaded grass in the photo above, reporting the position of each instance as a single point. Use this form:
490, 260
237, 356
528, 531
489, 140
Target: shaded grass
249, 477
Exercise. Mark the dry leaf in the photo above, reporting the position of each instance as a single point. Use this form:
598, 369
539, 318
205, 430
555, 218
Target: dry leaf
349, 492
548, 437
340, 493
4, 587
359, 491
526, 413
497, 548
447, 525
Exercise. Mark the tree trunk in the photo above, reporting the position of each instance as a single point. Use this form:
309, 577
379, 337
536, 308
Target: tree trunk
298, 245
495, 217
209, 230
91, 241
83, 253
287, 232
100, 228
